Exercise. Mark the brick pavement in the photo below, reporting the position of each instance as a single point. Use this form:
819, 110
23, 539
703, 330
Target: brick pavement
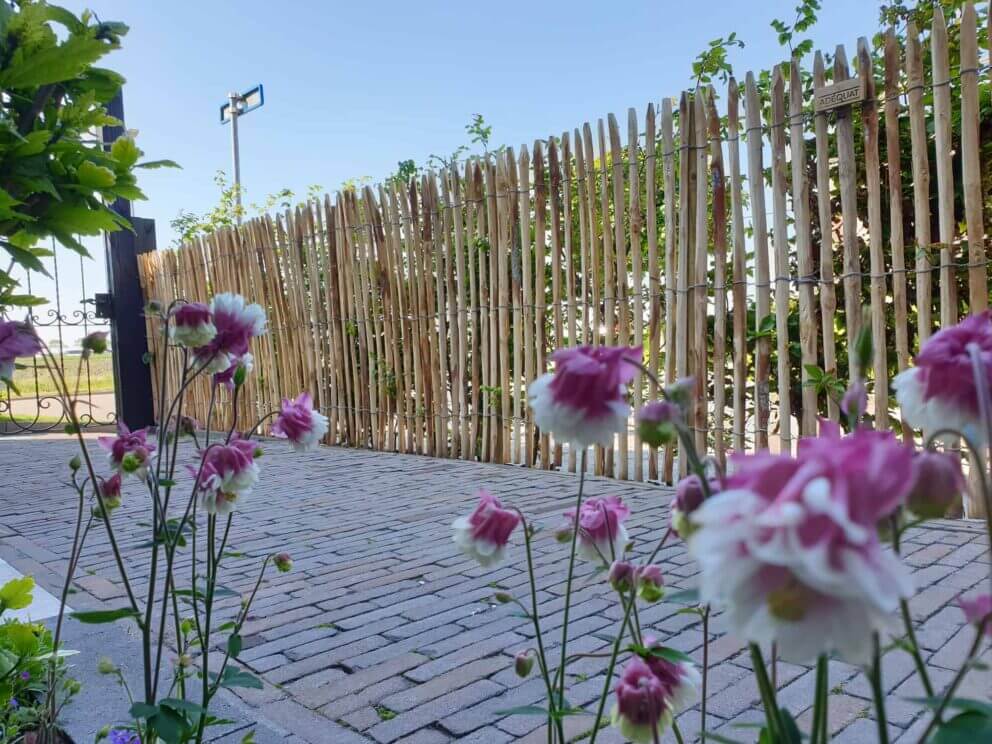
384, 632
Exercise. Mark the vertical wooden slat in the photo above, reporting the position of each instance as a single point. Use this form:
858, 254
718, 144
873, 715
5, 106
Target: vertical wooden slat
847, 173
554, 169
971, 163
620, 275
505, 250
740, 266
893, 157
782, 272
869, 120
540, 299
671, 238
462, 281
719, 242
808, 330
943, 132
686, 162
921, 180
525, 257
828, 291
759, 225
654, 282
699, 308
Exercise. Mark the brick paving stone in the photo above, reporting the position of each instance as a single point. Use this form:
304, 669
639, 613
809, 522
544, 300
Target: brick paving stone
382, 617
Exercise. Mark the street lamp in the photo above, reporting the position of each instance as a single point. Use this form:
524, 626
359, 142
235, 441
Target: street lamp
237, 105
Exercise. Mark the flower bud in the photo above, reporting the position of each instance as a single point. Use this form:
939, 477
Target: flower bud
102, 734
75, 463
689, 495
855, 400
564, 533
283, 562
937, 483
649, 582
153, 307
503, 597
184, 661
656, 423
240, 375
188, 426
622, 576
106, 665
95, 342
132, 461
523, 662
681, 392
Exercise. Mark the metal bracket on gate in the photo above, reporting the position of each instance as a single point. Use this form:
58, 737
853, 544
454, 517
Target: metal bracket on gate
103, 305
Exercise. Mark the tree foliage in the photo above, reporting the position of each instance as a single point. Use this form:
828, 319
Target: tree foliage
56, 179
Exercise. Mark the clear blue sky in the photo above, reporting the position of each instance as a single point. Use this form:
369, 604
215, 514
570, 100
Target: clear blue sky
353, 87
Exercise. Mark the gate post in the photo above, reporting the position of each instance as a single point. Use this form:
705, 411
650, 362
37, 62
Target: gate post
132, 375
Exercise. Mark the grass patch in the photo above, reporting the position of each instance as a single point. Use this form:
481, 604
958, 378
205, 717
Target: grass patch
96, 376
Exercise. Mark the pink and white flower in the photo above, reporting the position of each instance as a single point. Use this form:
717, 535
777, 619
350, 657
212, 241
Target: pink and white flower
236, 323
298, 422
940, 392
650, 582
229, 474
978, 610
226, 378
689, 496
129, 452
16, 340
602, 537
583, 401
484, 533
680, 679
110, 491
790, 546
192, 325
642, 710
937, 483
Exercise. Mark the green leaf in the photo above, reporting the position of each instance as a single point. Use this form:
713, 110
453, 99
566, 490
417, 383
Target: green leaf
170, 725
24, 257
234, 645
84, 220
669, 654
185, 706
125, 152
16, 594
33, 144
792, 734
143, 710
55, 64
234, 677
159, 164
96, 617
686, 596
96, 176
523, 710
969, 727
965, 704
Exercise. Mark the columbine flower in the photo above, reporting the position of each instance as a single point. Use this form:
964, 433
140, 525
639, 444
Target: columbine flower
236, 324
978, 610
791, 546
226, 378
650, 582
656, 422
622, 576
110, 491
642, 709
123, 736
689, 496
300, 423
229, 474
937, 483
486, 531
128, 452
855, 400
192, 325
583, 401
939, 392
602, 536
16, 340
283, 562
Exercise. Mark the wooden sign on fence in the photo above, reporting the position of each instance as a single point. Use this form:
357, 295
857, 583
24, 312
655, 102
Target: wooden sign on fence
842, 93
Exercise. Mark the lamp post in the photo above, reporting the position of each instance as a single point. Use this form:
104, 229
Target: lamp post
239, 104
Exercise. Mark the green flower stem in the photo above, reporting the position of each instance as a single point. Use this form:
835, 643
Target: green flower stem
706, 669
956, 682
772, 715
676, 731
535, 617
921, 667
568, 583
617, 643
878, 692
818, 734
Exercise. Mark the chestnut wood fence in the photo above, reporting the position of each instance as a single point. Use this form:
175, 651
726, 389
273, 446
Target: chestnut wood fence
417, 313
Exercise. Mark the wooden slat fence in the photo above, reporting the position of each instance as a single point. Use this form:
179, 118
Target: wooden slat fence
742, 248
